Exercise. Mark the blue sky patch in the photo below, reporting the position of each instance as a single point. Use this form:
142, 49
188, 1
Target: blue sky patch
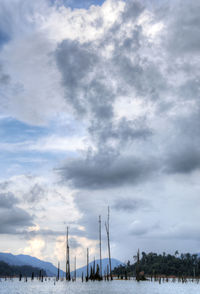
4, 38
78, 3
13, 131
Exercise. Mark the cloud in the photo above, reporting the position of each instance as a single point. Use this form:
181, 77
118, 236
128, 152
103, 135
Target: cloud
4, 78
7, 200
183, 37
120, 133
36, 247
83, 78
132, 11
142, 229
47, 144
12, 218
26, 60
27, 201
130, 205
106, 170
136, 64
36, 193
128, 73
185, 160
43, 232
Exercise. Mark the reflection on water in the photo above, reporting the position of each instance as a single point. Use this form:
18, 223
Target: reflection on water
118, 287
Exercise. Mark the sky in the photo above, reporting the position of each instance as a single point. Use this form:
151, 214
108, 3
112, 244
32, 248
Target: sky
99, 106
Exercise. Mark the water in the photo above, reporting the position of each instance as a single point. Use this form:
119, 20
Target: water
114, 287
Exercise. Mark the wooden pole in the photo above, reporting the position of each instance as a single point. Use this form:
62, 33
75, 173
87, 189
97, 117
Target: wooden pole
75, 268
107, 225
94, 270
58, 277
68, 278
66, 256
100, 247
87, 265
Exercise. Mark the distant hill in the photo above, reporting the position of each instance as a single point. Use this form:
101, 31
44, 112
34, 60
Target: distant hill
7, 270
49, 268
180, 265
20, 260
105, 262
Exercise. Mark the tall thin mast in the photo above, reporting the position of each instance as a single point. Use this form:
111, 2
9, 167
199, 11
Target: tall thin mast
100, 246
87, 264
67, 259
75, 268
108, 237
94, 269
58, 276
66, 256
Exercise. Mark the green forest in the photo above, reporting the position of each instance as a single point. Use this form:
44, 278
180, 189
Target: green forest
7, 270
153, 264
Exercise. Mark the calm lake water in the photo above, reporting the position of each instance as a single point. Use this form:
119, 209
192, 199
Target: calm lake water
118, 287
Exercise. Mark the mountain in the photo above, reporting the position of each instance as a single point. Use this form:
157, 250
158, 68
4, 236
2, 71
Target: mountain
21, 260
105, 262
7, 270
51, 270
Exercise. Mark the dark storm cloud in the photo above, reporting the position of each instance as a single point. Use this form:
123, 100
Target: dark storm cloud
86, 77
132, 10
7, 200
182, 155
35, 194
183, 30
92, 82
75, 62
184, 161
123, 132
143, 229
129, 204
136, 67
106, 170
84, 80
190, 91
4, 78
12, 218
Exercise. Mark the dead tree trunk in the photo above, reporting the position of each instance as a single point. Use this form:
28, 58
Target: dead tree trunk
68, 278
107, 225
100, 270
58, 276
87, 277
75, 268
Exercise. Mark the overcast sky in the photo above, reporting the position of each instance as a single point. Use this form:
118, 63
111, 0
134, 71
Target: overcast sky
99, 105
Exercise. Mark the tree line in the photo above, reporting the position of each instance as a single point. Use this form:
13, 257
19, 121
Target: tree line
162, 264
